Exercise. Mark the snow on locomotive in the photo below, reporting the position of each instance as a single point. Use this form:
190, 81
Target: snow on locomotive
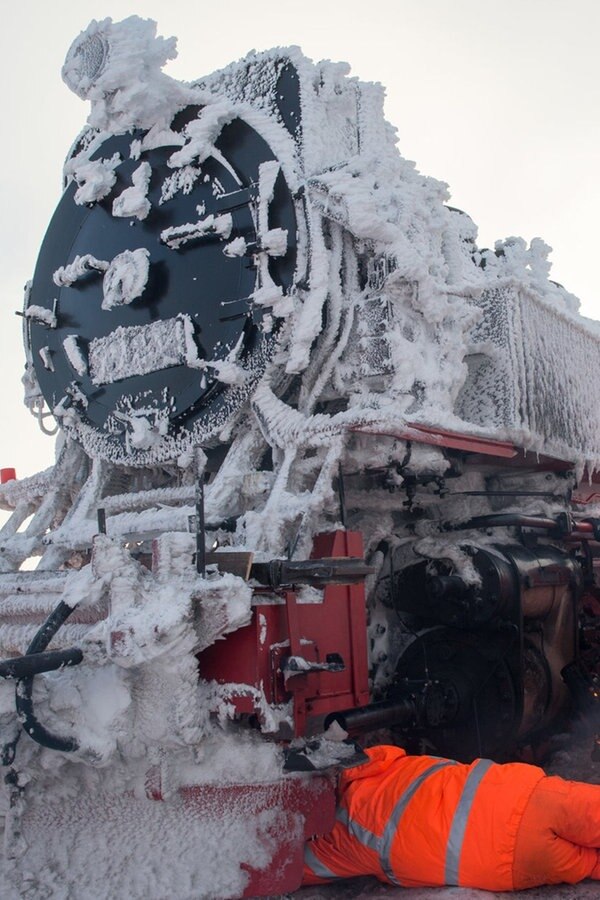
324, 467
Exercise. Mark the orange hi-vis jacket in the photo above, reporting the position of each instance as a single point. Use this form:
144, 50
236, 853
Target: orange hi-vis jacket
423, 821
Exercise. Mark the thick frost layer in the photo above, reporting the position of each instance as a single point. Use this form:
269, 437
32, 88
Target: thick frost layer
79, 268
115, 846
531, 368
125, 278
179, 235
138, 350
143, 690
133, 201
74, 354
96, 178
40, 314
117, 66
394, 309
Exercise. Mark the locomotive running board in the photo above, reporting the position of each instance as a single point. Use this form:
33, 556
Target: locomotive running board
425, 434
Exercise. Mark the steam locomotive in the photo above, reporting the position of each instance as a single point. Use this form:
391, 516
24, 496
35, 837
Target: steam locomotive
325, 468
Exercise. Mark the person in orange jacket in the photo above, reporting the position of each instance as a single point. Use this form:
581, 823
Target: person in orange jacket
419, 821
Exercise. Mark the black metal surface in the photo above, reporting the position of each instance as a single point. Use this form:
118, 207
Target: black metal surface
595, 523
497, 650
197, 280
101, 514
342, 496
480, 712
432, 592
287, 93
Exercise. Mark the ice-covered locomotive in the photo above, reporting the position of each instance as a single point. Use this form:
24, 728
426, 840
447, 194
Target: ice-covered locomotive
324, 468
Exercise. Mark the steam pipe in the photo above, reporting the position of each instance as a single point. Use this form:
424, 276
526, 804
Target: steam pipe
562, 527
374, 716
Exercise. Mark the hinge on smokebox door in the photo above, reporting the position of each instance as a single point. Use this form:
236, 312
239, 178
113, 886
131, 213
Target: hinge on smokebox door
297, 665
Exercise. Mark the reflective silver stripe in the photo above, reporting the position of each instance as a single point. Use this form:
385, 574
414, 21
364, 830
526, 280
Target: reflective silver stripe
387, 838
316, 865
383, 845
342, 816
460, 819
362, 834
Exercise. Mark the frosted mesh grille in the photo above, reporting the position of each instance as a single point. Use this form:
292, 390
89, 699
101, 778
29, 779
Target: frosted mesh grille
534, 370
92, 54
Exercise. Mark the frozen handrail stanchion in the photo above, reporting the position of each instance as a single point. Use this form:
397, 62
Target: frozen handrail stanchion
273, 349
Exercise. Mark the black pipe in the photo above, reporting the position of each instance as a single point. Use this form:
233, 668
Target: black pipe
342, 496
200, 526
500, 520
375, 715
24, 688
548, 494
46, 632
36, 663
319, 572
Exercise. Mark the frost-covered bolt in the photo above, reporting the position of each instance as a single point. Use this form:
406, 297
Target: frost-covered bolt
41, 316
81, 267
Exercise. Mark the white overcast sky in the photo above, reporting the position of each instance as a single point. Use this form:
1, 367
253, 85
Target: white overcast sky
498, 99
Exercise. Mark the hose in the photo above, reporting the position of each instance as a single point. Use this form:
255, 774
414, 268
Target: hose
24, 669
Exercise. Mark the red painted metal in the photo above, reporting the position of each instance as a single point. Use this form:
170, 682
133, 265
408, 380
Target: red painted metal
582, 531
479, 446
301, 805
585, 494
7, 475
250, 664
250, 661
426, 434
